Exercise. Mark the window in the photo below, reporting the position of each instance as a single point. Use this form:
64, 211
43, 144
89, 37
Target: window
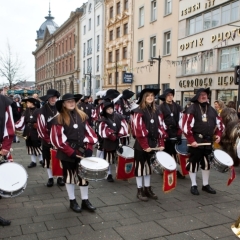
125, 53
97, 67
90, 8
140, 51
111, 35
62, 67
195, 25
208, 61
229, 58
123, 74
98, 20
138, 89
215, 17
89, 65
153, 10
141, 16
153, 47
111, 12
125, 29
84, 67
167, 43
125, 4
110, 78
84, 29
190, 66
168, 7
89, 46
84, 49
89, 24
66, 65
117, 55
98, 43
118, 8
70, 41
110, 57
70, 64
118, 32
165, 86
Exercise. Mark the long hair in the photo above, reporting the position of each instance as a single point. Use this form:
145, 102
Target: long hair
64, 117
143, 104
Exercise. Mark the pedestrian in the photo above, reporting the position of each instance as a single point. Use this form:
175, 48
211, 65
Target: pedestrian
148, 130
6, 134
172, 112
44, 124
199, 123
219, 106
28, 122
71, 135
111, 127
231, 104
88, 108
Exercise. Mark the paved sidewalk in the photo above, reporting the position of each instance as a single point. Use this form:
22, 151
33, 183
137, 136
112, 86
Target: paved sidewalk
43, 213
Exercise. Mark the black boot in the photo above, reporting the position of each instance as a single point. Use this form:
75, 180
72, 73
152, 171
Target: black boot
32, 164
141, 195
60, 182
110, 178
4, 222
149, 193
180, 176
87, 205
50, 182
41, 162
74, 206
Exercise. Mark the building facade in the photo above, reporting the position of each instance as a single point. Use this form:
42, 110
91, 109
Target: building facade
91, 49
57, 57
155, 36
208, 48
118, 44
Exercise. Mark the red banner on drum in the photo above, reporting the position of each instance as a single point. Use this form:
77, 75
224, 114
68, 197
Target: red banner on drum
232, 175
169, 180
125, 168
183, 159
56, 164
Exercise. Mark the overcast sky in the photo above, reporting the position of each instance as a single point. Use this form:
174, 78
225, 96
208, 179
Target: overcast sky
19, 21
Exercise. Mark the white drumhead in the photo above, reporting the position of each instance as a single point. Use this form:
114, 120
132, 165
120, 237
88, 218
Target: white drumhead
94, 163
13, 176
223, 157
128, 152
166, 160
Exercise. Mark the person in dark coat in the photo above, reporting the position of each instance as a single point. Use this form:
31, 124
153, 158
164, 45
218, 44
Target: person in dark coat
88, 108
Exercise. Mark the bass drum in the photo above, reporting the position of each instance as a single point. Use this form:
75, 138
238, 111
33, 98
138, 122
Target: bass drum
13, 179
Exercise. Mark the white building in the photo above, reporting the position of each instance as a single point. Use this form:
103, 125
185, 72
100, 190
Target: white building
208, 48
91, 47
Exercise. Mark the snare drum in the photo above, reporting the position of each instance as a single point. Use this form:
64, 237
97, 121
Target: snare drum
163, 161
13, 179
125, 167
182, 155
93, 169
221, 161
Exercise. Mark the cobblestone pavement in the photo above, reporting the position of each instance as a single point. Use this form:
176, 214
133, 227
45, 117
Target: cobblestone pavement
43, 213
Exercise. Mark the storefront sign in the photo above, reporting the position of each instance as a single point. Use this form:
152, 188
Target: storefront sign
127, 78
192, 44
191, 9
225, 81
197, 82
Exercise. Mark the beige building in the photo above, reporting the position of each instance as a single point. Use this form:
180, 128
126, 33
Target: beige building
57, 56
208, 48
155, 34
118, 44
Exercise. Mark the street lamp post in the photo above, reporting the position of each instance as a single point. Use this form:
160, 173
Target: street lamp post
90, 83
116, 75
151, 61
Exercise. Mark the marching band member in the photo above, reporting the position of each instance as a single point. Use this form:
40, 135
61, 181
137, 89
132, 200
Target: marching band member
44, 124
28, 121
112, 126
71, 134
172, 112
198, 124
88, 108
148, 129
17, 112
6, 134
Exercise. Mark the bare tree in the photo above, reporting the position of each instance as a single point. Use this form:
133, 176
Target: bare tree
11, 68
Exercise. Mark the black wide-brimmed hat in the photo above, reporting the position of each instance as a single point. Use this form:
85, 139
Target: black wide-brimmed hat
155, 91
96, 101
165, 93
35, 102
106, 105
127, 94
111, 94
50, 93
195, 98
86, 97
67, 96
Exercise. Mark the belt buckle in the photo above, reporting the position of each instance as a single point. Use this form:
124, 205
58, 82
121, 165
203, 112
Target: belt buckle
200, 135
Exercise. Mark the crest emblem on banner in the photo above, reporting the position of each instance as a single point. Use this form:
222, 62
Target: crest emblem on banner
128, 167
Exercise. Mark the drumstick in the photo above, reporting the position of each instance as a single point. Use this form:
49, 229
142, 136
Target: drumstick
155, 149
200, 144
91, 160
